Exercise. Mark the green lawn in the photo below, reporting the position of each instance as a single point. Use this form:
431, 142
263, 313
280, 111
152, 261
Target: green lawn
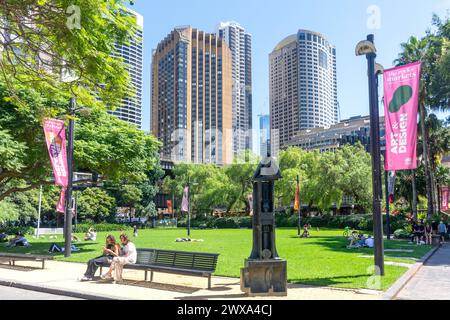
320, 260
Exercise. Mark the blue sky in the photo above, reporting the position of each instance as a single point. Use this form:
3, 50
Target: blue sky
343, 22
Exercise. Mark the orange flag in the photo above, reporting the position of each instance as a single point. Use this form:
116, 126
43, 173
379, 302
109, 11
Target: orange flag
297, 199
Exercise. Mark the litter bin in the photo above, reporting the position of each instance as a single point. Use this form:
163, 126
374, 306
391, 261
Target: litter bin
436, 240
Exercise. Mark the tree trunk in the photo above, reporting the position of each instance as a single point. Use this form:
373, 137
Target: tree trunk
414, 191
425, 156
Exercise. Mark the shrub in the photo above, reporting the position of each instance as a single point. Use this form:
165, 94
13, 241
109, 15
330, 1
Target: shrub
105, 227
401, 234
14, 230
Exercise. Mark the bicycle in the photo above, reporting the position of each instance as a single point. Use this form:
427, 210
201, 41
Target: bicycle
350, 232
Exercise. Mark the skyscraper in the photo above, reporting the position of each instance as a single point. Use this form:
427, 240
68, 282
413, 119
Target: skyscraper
191, 97
303, 84
264, 134
132, 55
240, 43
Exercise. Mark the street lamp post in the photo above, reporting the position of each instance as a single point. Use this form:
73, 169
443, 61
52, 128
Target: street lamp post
299, 207
368, 49
68, 207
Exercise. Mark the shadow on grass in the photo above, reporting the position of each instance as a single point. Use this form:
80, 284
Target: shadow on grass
42, 249
328, 281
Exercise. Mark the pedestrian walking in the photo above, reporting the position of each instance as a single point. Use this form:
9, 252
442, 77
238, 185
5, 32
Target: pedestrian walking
442, 229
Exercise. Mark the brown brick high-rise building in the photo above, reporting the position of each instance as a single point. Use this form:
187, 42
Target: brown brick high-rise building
192, 97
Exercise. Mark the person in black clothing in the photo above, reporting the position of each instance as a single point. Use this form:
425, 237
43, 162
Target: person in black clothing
434, 226
111, 250
420, 232
448, 229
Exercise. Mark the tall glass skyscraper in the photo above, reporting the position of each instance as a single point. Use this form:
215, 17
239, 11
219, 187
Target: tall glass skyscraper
191, 97
264, 134
240, 43
303, 84
132, 55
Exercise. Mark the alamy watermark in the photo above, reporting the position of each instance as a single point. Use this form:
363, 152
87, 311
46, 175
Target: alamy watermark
374, 282
74, 20
374, 20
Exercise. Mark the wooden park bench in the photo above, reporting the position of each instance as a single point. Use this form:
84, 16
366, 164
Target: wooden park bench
175, 262
13, 257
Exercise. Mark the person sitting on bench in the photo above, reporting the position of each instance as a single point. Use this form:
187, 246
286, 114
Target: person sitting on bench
111, 250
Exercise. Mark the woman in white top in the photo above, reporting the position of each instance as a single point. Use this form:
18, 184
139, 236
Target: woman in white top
129, 257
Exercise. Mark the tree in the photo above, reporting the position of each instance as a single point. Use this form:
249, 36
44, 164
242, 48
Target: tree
433, 51
8, 211
95, 204
47, 41
104, 144
240, 175
130, 196
412, 51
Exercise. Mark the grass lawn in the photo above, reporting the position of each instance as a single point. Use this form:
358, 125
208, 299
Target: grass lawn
321, 260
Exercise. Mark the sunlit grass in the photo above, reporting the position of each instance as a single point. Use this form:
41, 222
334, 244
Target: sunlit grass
320, 260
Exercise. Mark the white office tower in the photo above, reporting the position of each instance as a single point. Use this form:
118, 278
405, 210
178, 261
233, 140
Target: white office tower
240, 43
132, 55
303, 85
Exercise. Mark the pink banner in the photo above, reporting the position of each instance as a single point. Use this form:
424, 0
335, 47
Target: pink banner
444, 198
401, 102
55, 136
61, 202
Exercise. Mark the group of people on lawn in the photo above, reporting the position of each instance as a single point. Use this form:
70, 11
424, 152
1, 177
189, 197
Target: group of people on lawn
114, 255
423, 232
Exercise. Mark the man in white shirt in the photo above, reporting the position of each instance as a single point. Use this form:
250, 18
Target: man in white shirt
370, 242
129, 257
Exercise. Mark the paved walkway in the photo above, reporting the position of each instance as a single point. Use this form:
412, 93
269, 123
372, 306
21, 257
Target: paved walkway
432, 281
64, 275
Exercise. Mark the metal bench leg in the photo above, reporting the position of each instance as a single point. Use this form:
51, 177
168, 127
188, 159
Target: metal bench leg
151, 276
14, 263
146, 272
209, 282
43, 264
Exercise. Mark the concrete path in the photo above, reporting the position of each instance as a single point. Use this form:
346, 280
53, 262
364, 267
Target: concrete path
432, 281
63, 277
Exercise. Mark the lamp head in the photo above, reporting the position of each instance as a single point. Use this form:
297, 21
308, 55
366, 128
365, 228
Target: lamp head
365, 47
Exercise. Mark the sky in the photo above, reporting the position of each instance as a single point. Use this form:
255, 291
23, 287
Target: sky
343, 22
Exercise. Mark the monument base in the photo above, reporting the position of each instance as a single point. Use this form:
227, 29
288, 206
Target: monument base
264, 278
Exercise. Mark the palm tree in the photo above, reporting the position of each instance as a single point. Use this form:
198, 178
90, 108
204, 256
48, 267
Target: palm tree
412, 51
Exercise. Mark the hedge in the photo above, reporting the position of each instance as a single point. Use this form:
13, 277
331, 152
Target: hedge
105, 227
14, 230
363, 222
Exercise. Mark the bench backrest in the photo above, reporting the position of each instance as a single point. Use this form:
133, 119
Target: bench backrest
177, 259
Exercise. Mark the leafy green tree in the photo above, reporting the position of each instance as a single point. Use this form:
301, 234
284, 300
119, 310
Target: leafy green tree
240, 174
104, 144
65, 46
130, 196
95, 204
8, 211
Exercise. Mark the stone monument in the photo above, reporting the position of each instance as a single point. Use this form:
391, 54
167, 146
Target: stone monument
264, 274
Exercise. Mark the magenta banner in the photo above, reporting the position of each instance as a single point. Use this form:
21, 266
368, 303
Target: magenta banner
60, 206
401, 103
55, 136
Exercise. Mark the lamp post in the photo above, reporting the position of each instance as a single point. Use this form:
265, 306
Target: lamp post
68, 207
299, 207
367, 48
